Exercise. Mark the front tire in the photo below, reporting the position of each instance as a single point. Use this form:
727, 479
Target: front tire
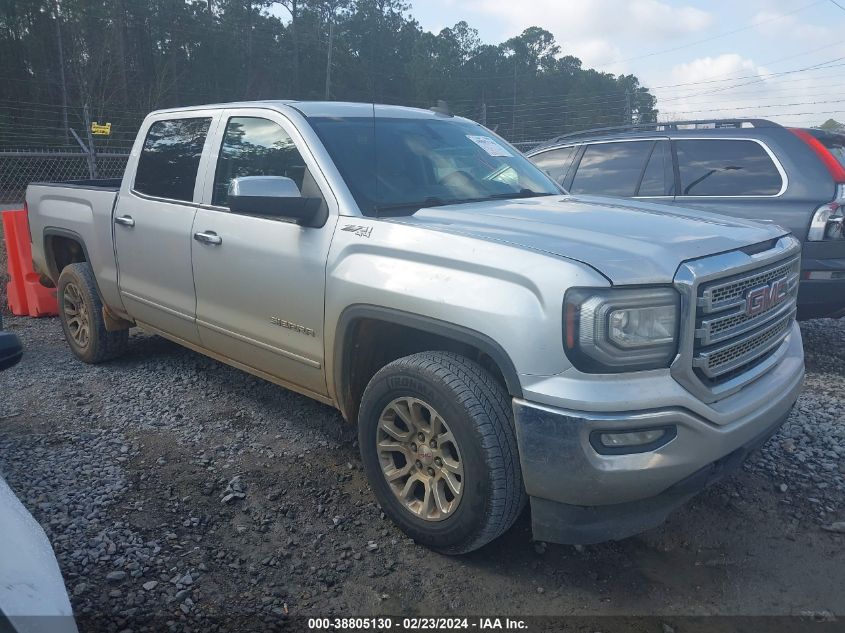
438, 444
81, 314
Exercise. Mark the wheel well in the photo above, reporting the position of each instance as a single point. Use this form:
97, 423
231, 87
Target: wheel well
61, 251
371, 343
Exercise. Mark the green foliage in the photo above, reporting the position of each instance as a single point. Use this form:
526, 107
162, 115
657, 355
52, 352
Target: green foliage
832, 125
126, 57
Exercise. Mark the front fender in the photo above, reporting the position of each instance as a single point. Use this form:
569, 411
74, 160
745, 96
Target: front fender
432, 326
503, 299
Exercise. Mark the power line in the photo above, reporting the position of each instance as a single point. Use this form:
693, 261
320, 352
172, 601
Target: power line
620, 92
714, 37
760, 78
725, 75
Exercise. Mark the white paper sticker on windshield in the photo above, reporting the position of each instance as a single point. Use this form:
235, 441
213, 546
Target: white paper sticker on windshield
489, 145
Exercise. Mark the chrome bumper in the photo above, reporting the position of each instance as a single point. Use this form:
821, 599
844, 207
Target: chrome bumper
561, 467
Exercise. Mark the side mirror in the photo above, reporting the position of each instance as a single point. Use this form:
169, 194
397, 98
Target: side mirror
275, 196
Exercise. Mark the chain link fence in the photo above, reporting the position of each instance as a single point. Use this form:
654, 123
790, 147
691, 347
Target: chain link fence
526, 146
19, 168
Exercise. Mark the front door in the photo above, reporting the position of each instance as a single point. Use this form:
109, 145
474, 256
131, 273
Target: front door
260, 281
152, 226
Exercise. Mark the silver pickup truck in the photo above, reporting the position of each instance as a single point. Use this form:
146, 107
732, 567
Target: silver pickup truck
495, 340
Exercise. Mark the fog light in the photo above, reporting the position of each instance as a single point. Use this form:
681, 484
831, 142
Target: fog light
631, 438
633, 441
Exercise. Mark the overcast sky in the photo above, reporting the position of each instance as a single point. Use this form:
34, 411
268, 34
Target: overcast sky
733, 57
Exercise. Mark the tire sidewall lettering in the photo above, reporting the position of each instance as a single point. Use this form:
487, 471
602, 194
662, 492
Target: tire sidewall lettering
410, 382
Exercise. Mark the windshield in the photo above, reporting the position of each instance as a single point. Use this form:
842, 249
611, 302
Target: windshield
403, 164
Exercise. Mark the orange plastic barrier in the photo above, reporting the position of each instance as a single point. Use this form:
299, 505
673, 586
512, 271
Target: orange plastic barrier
26, 295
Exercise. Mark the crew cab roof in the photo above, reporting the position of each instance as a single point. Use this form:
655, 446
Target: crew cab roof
319, 108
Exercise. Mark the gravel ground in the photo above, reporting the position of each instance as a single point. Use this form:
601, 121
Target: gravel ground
177, 491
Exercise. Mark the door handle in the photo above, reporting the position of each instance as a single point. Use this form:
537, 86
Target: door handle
125, 220
208, 237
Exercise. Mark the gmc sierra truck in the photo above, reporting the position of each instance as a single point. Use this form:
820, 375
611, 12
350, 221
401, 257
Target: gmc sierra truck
496, 340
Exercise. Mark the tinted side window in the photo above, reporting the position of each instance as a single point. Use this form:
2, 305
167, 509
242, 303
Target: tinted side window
658, 179
256, 147
167, 167
716, 167
612, 169
555, 162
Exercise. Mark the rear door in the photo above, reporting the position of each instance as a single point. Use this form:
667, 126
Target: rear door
628, 168
260, 289
153, 220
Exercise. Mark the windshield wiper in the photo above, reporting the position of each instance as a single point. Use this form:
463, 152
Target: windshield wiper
510, 195
522, 193
413, 206
434, 201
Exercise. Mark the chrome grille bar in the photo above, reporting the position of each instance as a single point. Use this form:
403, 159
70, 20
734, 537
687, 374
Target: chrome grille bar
732, 320
737, 311
735, 354
721, 296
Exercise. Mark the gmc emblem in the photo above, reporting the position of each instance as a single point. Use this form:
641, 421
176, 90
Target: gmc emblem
762, 298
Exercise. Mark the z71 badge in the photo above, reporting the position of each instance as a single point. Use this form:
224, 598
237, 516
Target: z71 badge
360, 231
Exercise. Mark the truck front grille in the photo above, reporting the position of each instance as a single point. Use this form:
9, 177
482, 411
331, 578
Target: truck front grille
726, 343
742, 353
727, 339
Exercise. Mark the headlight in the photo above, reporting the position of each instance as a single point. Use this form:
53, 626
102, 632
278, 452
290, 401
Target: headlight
827, 223
612, 330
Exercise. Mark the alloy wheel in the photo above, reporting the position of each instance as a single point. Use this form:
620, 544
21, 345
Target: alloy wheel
420, 458
76, 314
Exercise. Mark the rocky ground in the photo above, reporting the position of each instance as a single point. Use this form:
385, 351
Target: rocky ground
181, 494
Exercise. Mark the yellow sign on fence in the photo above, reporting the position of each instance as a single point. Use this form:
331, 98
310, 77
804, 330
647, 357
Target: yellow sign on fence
102, 129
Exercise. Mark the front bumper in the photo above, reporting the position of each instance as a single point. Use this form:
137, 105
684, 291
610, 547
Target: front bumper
581, 496
563, 523
819, 298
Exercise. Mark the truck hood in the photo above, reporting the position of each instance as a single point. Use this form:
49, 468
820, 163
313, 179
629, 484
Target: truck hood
629, 242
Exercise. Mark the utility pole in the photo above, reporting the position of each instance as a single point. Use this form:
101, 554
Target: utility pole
513, 114
61, 70
329, 57
628, 117
92, 153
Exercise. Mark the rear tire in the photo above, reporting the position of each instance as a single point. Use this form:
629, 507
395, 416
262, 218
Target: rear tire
81, 314
437, 440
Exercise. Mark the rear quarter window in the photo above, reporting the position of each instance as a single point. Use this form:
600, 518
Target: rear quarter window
170, 158
726, 167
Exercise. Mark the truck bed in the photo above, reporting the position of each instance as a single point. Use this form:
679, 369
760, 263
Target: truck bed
80, 209
92, 183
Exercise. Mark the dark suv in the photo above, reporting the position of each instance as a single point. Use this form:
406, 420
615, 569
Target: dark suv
750, 168
10, 348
